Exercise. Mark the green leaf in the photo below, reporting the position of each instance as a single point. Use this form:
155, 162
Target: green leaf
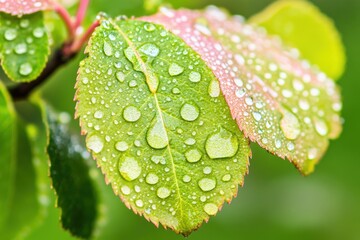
7, 151
77, 196
303, 26
158, 125
24, 46
279, 101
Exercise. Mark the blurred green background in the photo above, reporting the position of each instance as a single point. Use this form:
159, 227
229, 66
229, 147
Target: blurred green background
276, 201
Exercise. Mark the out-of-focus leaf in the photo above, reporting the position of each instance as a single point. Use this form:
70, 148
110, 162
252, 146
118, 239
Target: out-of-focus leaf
279, 101
22, 7
24, 46
70, 177
301, 25
158, 125
7, 151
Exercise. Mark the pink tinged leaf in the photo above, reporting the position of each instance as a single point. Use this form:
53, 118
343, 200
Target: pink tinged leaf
278, 100
22, 7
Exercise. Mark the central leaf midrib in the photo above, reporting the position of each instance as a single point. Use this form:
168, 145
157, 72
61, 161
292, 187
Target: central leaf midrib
145, 71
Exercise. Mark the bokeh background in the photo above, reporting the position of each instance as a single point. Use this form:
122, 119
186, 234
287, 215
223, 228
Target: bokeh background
276, 201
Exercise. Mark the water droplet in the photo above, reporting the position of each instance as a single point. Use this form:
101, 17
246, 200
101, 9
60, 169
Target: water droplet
189, 112
290, 146
207, 184
131, 114
222, 144
214, 89
249, 101
24, 23
25, 69
175, 69
158, 159
186, 178
152, 178
193, 155
21, 48
120, 76
139, 203
194, 77
132, 83
207, 170
129, 169
156, 136
108, 49
287, 93
38, 32
149, 27
226, 178
125, 190
257, 116
240, 92
175, 91
210, 208
98, 114
278, 143
190, 141
304, 105
290, 125
95, 143
238, 82
163, 192
10, 34
150, 49
121, 146
321, 127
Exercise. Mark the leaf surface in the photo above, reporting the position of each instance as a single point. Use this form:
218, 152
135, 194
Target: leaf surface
301, 24
278, 100
22, 7
158, 125
24, 46
77, 197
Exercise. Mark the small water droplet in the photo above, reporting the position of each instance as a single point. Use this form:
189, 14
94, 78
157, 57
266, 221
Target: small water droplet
129, 169
25, 69
152, 179
10, 34
98, 114
95, 143
149, 27
189, 112
190, 141
226, 178
131, 114
207, 170
214, 89
290, 125
139, 203
156, 136
121, 146
240, 92
278, 143
249, 101
163, 192
321, 127
304, 105
257, 116
38, 32
120, 76
108, 50
287, 93
194, 77
125, 190
150, 50
175, 69
207, 184
222, 144
312, 153
175, 91
193, 155
186, 178
21, 48
24, 23
238, 82
132, 83
210, 208
290, 146
158, 159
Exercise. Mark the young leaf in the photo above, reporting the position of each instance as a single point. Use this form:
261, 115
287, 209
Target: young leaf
278, 100
24, 46
301, 24
7, 151
71, 180
158, 125
22, 7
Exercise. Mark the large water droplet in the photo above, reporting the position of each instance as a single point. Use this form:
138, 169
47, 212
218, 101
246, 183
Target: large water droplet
222, 144
129, 169
193, 155
194, 77
175, 69
214, 88
131, 114
25, 69
290, 125
321, 127
95, 143
156, 136
150, 49
10, 34
210, 208
207, 184
21, 48
163, 192
108, 50
189, 112
121, 146
152, 179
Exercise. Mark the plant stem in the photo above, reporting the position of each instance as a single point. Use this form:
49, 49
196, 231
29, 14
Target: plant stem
81, 13
64, 14
78, 43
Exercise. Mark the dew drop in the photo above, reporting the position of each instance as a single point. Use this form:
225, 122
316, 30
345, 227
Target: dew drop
304, 105
193, 155
240, 92
149, 27
120, 76
210, 208
95, 143
131, 114
226, 178
278, 143
190, 141
194, 77
156, 136
222, 144
249, 101
186, 178
21, 48
98, 114
38, 32
139, 203
24, 23
257, 116
189, 112
158, 159
10, 34
290, 146
214, 89
238, 82
175, 69
207, 170
107, 49
125, 190
150, 49
163, 192
121, 146
129, 169
175, 91
207, 184
152, 179
290, 125
25, 69
321, 127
